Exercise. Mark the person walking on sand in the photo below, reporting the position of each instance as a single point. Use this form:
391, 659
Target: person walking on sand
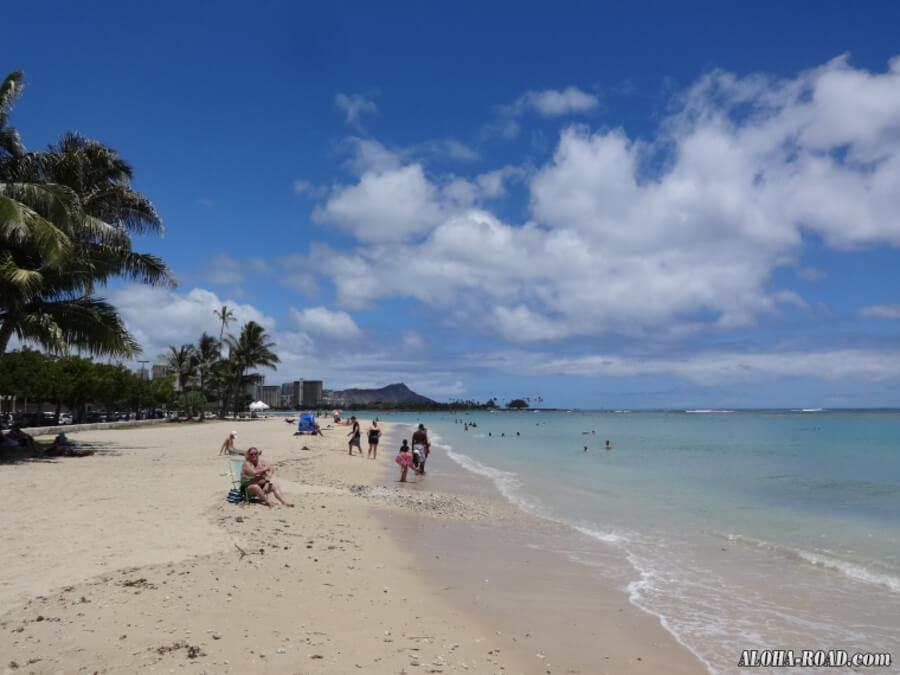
354, 437
374, 435
420, 447
406, 462
255, 477
228, 446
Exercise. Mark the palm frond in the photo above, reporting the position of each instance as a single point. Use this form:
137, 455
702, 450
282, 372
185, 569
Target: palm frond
83, 163
11, 142
88, 323
17, 283
22, 225
141, 267
124, 208
57, 203
94, 229
10, 90
40, 328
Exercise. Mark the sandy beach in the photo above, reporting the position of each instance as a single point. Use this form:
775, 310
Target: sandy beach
132, 560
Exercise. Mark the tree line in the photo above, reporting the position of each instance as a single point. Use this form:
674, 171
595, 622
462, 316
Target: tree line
199, 378
77, 384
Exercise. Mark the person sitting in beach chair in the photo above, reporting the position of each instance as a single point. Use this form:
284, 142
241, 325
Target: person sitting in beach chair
256, 479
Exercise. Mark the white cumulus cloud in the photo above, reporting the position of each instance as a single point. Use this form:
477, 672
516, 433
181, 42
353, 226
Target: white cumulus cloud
323, 321
665, 237
159, 317
384, 205
708, 367
556, 103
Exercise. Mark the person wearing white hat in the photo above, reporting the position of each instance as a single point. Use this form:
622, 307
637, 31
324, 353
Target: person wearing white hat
228, 446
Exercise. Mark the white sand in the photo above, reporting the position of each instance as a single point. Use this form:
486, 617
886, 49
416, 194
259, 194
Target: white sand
131, 560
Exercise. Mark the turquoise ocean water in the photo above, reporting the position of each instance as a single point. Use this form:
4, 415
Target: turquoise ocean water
740, 530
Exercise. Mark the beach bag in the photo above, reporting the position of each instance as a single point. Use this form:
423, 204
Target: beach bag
235, 496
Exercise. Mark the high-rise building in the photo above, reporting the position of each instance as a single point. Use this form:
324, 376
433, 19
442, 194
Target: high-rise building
312, 393
253, 381
301, 394
269, 394
290, 395
160, 370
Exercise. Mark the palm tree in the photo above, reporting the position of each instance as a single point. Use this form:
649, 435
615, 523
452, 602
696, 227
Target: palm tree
252, 349
182, 362
207, 353
66, 217
22, 201
226, 316
30, 244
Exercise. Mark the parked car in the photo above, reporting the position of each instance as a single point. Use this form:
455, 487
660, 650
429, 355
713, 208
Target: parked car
65, 418
29, 420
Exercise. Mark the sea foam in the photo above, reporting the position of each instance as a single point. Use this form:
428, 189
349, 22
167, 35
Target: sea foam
851, 570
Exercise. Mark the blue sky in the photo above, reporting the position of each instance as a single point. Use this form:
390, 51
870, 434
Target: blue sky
644, 205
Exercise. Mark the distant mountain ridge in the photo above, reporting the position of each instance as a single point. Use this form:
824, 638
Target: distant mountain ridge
393, 393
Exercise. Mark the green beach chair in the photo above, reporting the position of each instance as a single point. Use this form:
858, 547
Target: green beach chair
236, 482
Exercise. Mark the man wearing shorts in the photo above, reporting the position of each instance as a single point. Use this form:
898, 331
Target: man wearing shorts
354, 437
420, 447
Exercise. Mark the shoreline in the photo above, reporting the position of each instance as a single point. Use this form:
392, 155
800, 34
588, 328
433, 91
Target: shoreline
569, 609
336, 584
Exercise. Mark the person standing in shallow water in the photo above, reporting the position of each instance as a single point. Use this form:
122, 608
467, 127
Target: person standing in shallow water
420, 447
608, 445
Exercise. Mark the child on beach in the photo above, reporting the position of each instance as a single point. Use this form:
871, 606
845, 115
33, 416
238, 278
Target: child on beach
228, 446
405, 460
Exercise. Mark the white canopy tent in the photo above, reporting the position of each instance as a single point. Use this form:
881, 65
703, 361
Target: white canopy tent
258, 405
